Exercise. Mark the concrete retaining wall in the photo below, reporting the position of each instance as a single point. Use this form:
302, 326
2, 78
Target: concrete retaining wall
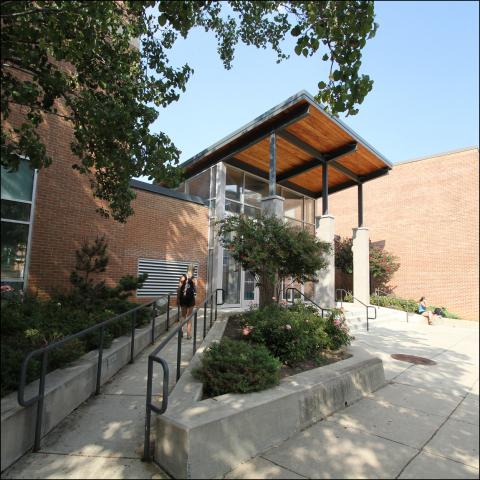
65, 390
207, 438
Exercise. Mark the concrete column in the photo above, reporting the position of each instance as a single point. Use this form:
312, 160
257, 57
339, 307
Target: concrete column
361, 264
217, 266
273, 205
324, 289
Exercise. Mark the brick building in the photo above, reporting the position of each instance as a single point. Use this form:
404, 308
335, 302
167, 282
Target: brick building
426, 212
47, 215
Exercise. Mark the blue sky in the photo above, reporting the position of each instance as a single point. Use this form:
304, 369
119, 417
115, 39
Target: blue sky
425, 99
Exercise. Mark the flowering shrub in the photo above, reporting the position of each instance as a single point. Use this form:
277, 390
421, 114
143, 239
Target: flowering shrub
337, 330
383, 264
296, 333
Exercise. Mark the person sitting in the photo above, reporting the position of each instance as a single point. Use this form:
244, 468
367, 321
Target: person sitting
422, 310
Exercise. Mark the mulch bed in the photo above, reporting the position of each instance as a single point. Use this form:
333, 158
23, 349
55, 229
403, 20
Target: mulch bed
233, 330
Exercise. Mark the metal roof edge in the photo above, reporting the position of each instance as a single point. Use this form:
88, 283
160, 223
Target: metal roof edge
441, 154
167, 192
243, 129
302, 94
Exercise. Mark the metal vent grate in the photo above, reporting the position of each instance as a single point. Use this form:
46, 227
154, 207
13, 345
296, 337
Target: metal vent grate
163, 276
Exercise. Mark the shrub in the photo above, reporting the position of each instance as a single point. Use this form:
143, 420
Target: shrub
29, 323
337, 331
234, 366
296, 333
383, 264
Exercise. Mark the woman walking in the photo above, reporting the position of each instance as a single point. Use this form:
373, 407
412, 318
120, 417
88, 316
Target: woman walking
186, 299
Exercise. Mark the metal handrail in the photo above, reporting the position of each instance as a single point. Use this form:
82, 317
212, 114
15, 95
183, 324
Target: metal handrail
153, 357
39, 398
358, 300
306, 298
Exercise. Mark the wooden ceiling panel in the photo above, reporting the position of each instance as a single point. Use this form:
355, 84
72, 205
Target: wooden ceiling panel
312, 180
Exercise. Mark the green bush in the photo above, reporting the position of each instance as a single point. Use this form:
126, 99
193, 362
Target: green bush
234, 366
296, 333
28, 323
407, 305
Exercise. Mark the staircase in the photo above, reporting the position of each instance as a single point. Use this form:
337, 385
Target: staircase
357, 320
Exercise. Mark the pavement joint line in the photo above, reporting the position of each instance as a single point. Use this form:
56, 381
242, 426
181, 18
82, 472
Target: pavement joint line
281, 466
80, 455
403, 406
375, 435
434, 433
433, 454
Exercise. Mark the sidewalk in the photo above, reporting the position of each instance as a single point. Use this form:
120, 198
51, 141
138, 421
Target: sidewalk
103, 438
422, 424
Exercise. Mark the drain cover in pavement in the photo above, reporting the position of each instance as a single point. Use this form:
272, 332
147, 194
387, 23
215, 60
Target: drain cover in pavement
413, 359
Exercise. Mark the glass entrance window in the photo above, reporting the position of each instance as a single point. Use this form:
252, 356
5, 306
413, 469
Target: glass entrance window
231, 279
249, 286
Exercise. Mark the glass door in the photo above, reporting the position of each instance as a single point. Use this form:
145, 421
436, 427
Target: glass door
249, 290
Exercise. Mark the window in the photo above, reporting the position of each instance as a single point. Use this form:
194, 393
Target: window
255, 190
293, 205
16, 216
200, 185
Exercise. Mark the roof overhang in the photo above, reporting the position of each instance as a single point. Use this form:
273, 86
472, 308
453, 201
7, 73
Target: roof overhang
307, 138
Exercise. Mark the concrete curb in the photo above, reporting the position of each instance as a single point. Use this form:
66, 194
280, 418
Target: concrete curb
65, 390
208, 438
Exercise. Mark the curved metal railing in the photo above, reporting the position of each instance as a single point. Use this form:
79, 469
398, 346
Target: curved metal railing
359, 301
44, 351
323, 309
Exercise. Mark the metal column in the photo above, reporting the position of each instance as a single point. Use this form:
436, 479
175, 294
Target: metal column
325, 188
272, 177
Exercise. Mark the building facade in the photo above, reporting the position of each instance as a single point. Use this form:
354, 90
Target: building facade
294, 161
46, 216
426, 212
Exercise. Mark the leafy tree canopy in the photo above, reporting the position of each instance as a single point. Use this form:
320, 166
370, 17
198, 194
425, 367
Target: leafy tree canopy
273, 251
74, 59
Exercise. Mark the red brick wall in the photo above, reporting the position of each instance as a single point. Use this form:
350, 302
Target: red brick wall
427, 213
161, 228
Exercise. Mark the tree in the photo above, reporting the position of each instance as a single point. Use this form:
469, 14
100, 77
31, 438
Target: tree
383, 264
75, 60
273, 251
92, 258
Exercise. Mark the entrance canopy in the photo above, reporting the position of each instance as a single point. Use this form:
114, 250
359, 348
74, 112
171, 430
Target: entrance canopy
298, 145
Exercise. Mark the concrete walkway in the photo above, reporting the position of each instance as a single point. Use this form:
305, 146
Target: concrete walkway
103, 438
422, 424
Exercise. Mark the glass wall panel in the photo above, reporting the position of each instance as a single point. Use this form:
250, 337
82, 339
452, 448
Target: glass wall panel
309, 210
249, 286
16, 210
213, 182
233, 207
294, 223
200, 185
233, 184
14, 249
18, 185
293, 205
255, 189
231, 279
251, 211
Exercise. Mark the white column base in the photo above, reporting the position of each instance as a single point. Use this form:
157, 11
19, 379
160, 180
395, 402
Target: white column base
324, 289
273, 206
361, 264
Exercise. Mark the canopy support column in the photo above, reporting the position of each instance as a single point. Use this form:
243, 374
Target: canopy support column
325, 188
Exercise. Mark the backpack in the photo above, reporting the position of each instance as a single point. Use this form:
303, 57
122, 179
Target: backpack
439, 311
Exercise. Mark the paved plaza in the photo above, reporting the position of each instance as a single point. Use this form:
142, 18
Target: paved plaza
423, 424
